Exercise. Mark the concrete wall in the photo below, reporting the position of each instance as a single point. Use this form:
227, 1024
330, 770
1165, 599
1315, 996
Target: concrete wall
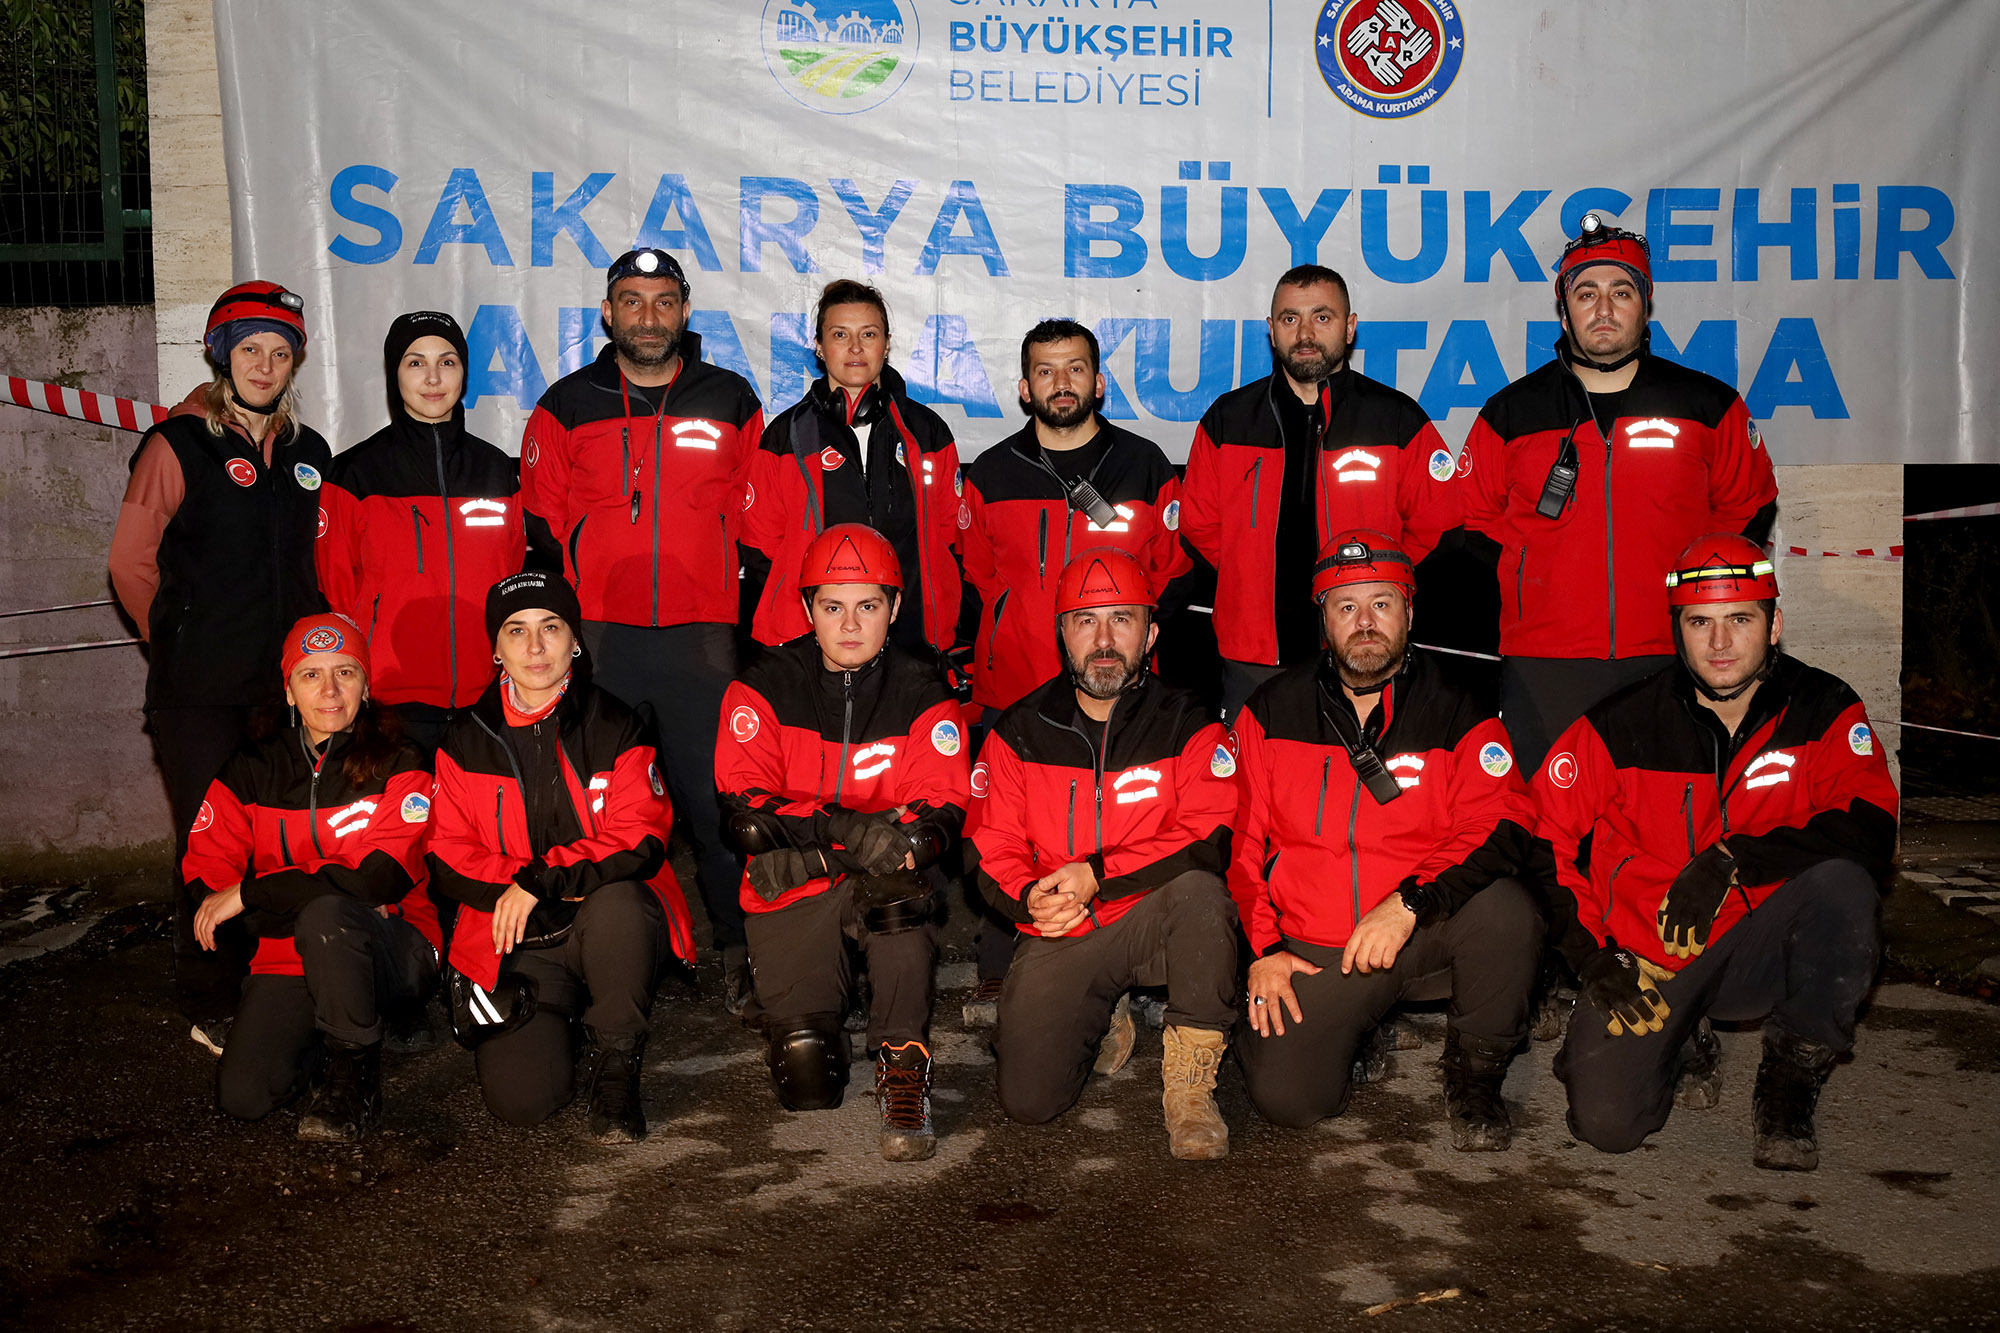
79, 793
191, 231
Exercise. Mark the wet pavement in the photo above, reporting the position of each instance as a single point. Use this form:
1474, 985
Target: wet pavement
133, 1204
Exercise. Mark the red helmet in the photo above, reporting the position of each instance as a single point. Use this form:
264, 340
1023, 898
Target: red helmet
1721, 567
1103, 576
850, 553
1361, 556
258, 300
1601, 244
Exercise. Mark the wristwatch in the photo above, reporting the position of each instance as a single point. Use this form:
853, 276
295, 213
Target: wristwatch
1414, 897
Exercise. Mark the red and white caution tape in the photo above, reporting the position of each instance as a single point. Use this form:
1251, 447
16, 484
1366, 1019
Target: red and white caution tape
101, 408
1969, 511
1886, 553
44, 610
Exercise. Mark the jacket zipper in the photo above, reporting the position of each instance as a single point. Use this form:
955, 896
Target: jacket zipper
284, 843
659, 436
1319, 811
1042, 547
993, 638
1687, 809
729, 575
1610, 886
1256, 480
912, 465
417, 525
1100, 782
1072, 818
499, 817
374, 615
1610, 568
450, 574
1354, 850
846, 730
1520, 574
312, 810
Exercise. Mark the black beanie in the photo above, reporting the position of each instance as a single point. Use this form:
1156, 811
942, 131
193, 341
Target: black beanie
536, 590
406, 330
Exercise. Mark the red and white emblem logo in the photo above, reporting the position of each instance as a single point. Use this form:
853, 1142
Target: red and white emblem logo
830, 459
1562, 770
324, 639
743, 722
242, 471
322, 525
532, 454
203, 817
981, 777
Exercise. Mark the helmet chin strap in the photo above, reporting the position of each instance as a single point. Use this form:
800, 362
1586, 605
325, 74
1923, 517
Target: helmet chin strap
1575, 357
244, 402
1333, 660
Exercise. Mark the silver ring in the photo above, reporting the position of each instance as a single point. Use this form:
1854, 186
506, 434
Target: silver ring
1256, 999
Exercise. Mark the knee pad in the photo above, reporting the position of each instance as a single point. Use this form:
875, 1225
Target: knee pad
898, 901
809, 1067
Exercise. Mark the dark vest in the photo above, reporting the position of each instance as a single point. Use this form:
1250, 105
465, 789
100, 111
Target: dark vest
236, 565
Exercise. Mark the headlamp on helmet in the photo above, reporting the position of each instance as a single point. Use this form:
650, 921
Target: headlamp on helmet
645, 263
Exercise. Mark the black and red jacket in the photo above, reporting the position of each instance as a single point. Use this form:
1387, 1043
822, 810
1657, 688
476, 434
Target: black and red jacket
1382, 466
1648, 779
1683, 459
417, 522
283, 821
1143, 797
806, 449
597, 815
1019, 532
1315, 852
647, 504
798, 742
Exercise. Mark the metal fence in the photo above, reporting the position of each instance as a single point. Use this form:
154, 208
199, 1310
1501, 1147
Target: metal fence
75, 189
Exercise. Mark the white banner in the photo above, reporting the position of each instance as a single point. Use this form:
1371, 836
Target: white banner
1810, 173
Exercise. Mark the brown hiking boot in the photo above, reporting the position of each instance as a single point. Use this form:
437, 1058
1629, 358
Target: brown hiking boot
903, 1090
983, 1009
1116, 1048
1195, 1130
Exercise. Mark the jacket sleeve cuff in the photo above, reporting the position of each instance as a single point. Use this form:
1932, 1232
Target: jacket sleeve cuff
530, 877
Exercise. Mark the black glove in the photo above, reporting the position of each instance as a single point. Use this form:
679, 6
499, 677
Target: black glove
774, 874
957, 663
1688, 911
873, 843
1627, 987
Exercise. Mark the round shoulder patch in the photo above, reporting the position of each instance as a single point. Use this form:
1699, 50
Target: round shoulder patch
203, 817
1172, 518
1493, 757
653, 780
1860, 739
242, 471
830, 459
1756, 440
1442, 466
749, 495
902, 460
743, 722
532, 454
1464, 461
945, 738
306, 475
416, 808
981, 778
958, 481
964, 515
1222, 763
322, 524
1562, 770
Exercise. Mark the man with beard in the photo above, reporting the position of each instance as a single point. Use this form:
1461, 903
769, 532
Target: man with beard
1591, 473
1713, 838
638, 463
1101, 809
1419, 898
1283, 463
1066, 480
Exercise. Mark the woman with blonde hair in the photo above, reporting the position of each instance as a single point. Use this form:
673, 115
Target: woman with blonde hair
213, 560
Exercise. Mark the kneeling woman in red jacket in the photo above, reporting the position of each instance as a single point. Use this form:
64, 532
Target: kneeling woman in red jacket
552, 826
315, 835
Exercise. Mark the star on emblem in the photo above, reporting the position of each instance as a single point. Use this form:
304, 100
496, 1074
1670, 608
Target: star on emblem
1325, 40
1457, 42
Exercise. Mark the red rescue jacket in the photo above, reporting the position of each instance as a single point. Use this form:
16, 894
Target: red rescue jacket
1683, 459
416, 523
786, 509
611, 821
1020, 531
647, 505
798, 741
1315, 852
1143, 797
1648, 779
289, 827
1382, 467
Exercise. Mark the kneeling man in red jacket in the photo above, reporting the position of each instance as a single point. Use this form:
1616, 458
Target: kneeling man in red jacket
1717, 831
